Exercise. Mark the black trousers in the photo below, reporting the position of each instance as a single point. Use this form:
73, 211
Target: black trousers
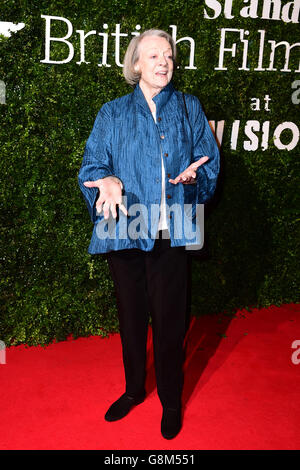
152, 282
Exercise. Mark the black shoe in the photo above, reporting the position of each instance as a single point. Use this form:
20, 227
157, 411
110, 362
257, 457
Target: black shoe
171, 422
122, 406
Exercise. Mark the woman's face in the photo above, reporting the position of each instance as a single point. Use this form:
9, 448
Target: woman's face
155, 63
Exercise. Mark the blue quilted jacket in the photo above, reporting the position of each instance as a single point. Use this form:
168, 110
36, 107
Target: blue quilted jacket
126, 142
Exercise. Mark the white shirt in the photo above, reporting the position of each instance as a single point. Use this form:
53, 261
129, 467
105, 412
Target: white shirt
162, 224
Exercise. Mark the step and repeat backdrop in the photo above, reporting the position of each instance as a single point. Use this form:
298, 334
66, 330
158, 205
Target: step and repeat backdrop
60, 61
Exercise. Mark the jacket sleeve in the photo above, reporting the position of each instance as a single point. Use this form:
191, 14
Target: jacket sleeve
97, 161
204, 144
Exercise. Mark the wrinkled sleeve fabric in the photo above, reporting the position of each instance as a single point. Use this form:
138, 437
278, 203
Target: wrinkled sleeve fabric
204, 144
97, 160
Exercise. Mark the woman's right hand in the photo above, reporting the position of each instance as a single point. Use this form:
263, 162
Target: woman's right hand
110, 189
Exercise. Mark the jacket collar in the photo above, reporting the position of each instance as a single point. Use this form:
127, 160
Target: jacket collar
160, 99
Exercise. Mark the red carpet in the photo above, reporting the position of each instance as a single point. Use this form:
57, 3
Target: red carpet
241, 390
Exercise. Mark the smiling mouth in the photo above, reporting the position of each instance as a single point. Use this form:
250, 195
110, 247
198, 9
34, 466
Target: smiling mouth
161, 73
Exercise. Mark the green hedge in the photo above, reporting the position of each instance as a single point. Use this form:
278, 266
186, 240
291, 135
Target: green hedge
50, 286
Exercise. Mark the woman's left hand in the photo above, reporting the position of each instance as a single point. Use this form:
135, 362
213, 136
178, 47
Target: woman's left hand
188, 176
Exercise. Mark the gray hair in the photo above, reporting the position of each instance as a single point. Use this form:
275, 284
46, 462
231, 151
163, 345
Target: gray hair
132, 54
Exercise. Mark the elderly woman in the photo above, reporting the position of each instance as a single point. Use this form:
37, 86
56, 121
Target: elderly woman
150, 153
